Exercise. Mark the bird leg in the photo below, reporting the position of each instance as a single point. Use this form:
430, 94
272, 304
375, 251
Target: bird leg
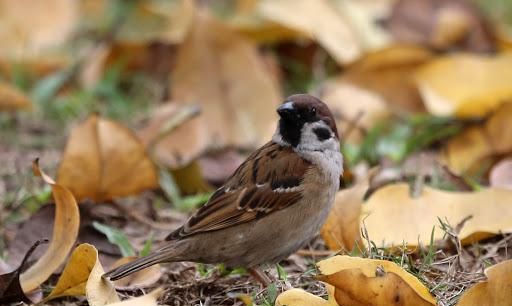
260, 277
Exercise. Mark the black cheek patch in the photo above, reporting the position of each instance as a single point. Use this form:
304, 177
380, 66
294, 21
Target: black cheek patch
322, 133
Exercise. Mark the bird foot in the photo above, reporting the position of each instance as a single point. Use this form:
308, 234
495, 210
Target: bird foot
260, 277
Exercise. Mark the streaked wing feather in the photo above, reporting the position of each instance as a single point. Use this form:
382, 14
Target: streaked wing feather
252, 191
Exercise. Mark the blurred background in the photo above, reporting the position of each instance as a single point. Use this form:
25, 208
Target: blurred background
158, 101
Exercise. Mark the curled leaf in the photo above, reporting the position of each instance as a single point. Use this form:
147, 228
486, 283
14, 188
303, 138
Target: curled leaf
65, 232
98, 290
496, 290
73, 279
363, 281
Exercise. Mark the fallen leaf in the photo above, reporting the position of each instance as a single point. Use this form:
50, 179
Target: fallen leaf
465, 85
65, 232
341, 230
73, 279
443, 25
363, 281
190, 180
12, 98
318, 20
355, 109
387, 72
98, 290
145, 300
501, 174
496, 290
103, 160
212, 71
466, 150
247, 20
299, 297
414, 218
29, 27
141, 279
10, 286
144, 21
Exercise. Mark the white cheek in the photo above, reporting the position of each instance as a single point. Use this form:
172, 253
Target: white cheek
309, 140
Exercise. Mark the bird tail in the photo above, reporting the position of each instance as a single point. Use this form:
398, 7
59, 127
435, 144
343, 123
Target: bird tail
137, 265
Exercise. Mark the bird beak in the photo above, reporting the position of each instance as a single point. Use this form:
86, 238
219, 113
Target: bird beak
286, 110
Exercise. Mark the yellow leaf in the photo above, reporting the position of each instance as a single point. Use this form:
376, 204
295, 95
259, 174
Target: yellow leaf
317, 20
387, 72
76, 273
299, 297
467, 149
65, 232
394, 217
497, 290
140, 279
465, 85
220, 71
341, 229
362, 281
98, 290
145, 300
104, 160
12, 98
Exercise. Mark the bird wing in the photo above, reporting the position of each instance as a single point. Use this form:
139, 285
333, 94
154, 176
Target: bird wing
268, 181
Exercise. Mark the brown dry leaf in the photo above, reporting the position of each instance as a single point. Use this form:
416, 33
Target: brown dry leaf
12, 99
246, 20
73, 279
467, 149
318, 20
395, 218
145, 300
65, 232
440, 24
299, 297
387, 72
103, 160
147, 21
363, 281
220, 71
497, 290
355, 109
141, 279
98, 290
501, 174
28, 27
341, 230
465, 85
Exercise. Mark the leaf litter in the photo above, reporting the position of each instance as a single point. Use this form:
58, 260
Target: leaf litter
447, 267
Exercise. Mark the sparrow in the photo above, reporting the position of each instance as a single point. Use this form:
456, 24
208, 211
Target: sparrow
274, 203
